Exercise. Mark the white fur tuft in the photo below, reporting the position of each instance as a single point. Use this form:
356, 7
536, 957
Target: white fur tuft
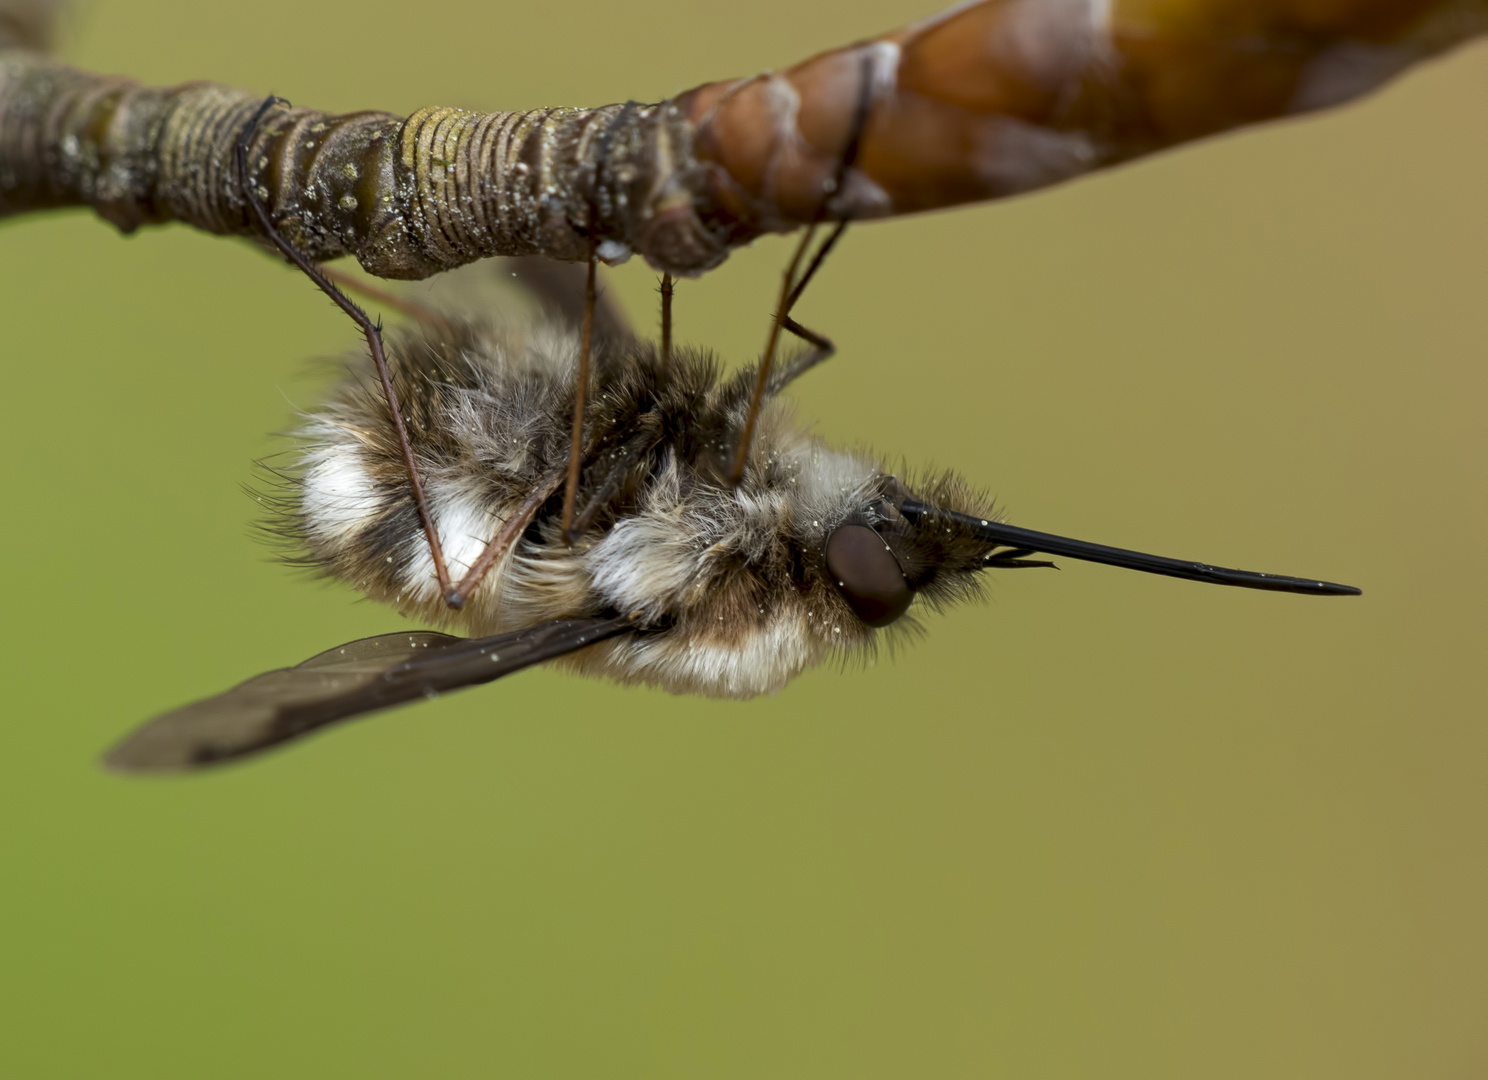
339, 496
466, 524
760, 661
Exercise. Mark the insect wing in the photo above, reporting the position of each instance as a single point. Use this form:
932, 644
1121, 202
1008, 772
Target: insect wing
343, 683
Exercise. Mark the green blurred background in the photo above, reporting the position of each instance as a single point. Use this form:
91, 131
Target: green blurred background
1108, 825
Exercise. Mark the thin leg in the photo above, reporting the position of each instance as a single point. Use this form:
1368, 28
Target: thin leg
617, 467
816, 262
506, 536
666, 321
581, 385
762, 379
822, 348
791, 289
369, 328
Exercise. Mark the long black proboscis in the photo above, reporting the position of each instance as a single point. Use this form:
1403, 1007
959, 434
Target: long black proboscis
996, 532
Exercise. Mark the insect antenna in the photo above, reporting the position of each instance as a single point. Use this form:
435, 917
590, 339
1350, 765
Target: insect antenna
1017, 559
372, 330
791, 289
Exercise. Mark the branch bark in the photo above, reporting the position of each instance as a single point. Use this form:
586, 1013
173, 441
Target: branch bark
989, 99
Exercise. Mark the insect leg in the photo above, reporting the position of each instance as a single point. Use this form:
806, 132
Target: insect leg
816, 261
506, 536
791, 289
762, 379
822, 347
581, 384
666, 321
619, 464
371, 329
512, 528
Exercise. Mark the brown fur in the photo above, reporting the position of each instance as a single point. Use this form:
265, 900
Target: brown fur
729, 584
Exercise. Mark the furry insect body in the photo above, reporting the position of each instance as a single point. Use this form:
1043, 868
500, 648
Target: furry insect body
729, 586
697, 540
676, 570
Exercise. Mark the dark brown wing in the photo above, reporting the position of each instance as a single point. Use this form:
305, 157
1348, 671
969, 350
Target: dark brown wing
340, 684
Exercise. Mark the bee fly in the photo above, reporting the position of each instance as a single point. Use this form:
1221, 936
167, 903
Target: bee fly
618, 504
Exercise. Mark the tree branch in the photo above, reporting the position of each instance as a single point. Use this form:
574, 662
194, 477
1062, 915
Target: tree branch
989, 99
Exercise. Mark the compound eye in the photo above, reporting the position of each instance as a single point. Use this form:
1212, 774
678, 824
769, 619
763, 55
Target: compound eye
867, 574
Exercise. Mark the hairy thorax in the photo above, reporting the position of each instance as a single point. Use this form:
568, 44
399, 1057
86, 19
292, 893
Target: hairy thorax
721, 577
